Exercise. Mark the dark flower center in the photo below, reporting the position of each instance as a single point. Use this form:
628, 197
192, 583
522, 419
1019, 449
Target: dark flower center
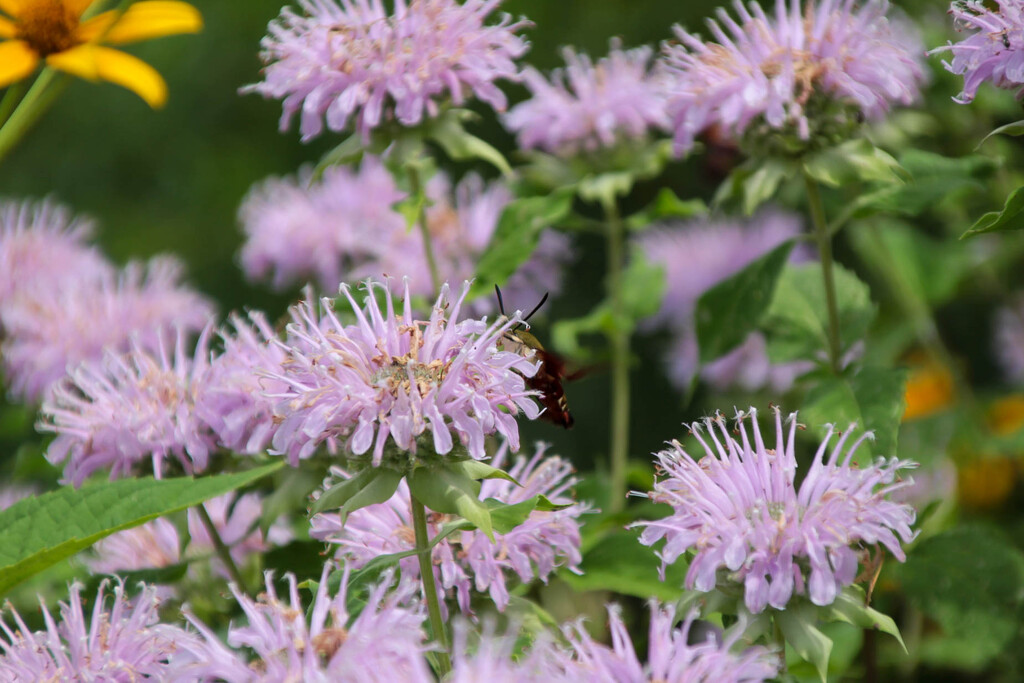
47, 26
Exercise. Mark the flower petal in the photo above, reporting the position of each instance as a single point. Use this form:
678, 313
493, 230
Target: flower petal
12, 8
8, 29
76, 7
142, 21
93, 62
17, 60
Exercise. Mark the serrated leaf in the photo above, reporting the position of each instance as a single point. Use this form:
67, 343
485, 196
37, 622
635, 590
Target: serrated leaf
448, 131
38, 532
1013, 129
340, 493
798, 625
856, 160
797, 319
851, 606
452, 492
873, 399
727, 313
516, 236
1001, 221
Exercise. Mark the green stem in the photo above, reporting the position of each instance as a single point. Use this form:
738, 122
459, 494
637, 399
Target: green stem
223, 552
416, 190
37, 100
419, 522
11, 99
824, 238
619, 339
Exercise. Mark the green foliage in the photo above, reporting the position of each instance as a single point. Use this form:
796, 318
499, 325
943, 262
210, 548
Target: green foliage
728, 312
872, 398
753, 183
449, 132
797, 319
970, 580
619, 563
851, 607
42, 530
516, 237
451, 491
371, 486
1014, 129
1001, 221
667, 205
854, 161
798, 623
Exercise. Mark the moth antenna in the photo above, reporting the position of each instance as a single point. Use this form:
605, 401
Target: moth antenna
501, 304
537, 307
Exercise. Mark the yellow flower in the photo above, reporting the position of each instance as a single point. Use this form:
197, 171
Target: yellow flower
929, 389
53, 31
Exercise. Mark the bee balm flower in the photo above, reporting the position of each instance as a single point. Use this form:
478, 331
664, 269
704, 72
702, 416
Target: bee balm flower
994, 52
738, 509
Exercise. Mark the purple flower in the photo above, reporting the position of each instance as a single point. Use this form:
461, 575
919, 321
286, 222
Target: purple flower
123, 641
234, 401
498, 658
738, 509
344, 227
237, 522
126, 408
1009, 339
52, 329
391, 379
776, 70
338, 60
41, 245
671, 656
534, 549
152, 545
994, 52
12, 493
696, 256
587, 106
383, 643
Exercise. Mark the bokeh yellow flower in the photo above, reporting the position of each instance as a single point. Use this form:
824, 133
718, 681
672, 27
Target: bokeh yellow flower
929, 388
54, 32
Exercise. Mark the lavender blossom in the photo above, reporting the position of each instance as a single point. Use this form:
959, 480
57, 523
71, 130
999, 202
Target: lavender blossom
338, 61
12, 493
739, 510
121, 642
781, 70
671, 656
235, 401
126, 408
384, 643
392, 379
1009, 339
587, 106
41, 245
534, 549
52, 329
496, 658
344, 227
236, 520
696, 256
994, 52
152, 545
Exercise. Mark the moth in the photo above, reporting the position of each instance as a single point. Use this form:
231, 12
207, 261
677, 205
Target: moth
549, 376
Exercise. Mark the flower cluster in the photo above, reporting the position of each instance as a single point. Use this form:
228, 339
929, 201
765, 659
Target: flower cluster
672, 654
738, 509
993, 52
535, 548
343, 227
338, 61
697, 256
588, 106
783, 71
384, 642
391, 378
122, 642
62, 302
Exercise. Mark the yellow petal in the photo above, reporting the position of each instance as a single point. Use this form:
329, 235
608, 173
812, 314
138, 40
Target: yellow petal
76, 7
94, 62
12, 7
17, 60
8, 29
142, 21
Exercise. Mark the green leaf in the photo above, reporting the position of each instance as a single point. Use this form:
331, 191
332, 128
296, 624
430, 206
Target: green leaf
851, 606
797, 319
620, 564
728, 312
340, 493
516, 237
377, 489
751, 185
1001, 221
349, 151
451, 492
42, 530
447, 131
873, 399
798, 624
856, 160
666, 205
474, 469
605, 188
1014, 129
507, 516
970, 580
